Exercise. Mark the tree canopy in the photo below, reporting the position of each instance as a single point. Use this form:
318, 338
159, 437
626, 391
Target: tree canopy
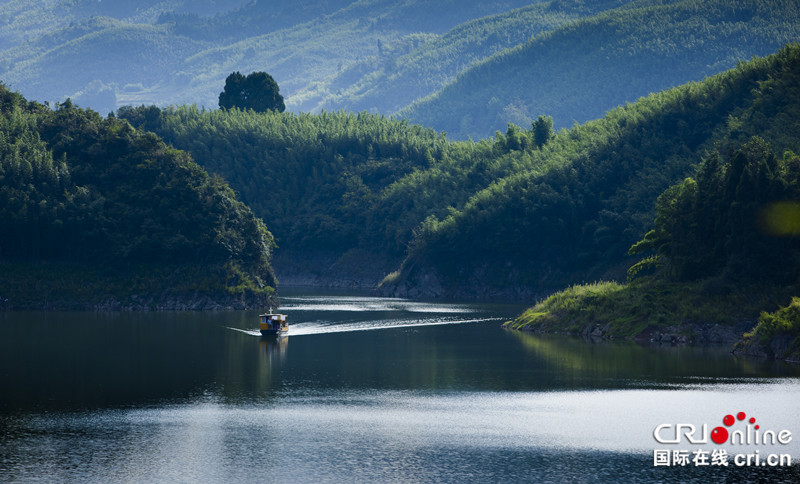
89, 193
738, 217
588, 194
257, 91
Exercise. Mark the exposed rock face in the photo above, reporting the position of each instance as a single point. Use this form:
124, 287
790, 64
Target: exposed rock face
354, 269
780, 347
140, 302
189, 302
422, 284
597, 332
695, 334
684, 334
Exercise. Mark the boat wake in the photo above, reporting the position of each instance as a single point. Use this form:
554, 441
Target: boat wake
366, 304
251, 332
320, 327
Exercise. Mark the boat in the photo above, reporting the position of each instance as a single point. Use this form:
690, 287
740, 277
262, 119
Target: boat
273, 324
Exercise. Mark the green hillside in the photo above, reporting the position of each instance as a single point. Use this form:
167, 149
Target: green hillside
724, 251
588, 194
50, 22
580, 70
418, 66
514, 215
94, 213
151, 51
329, 184
109, 54
466, 68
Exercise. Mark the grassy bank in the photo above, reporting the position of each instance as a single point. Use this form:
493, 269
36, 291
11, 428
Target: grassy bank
777, 334
645, 306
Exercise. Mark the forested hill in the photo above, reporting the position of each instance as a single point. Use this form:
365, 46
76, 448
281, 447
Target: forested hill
721, 262
464, 67
94, 213
578, 71
345, 194
418, 66
323, 182
590, 192
113, 53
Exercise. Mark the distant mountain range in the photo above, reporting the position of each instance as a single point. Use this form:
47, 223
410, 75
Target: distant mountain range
465, 67
580, 70
113, 53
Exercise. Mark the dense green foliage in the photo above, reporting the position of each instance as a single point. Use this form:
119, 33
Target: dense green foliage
335, 182
784, 322
79, 189
580, 70
529, 209
727, 247
502, 61
570, 210
324, 182
257, 91
740, 219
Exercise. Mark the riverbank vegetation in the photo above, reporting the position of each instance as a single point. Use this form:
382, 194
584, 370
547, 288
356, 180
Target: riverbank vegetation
635, 310
331, 183
725, 247
522, 214
81, 194
776, 335
572, 209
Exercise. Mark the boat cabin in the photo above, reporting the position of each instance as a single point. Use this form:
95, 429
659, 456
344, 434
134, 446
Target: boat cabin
273, 324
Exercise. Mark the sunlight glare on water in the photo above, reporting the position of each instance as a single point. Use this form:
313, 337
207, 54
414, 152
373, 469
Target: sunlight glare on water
321, 327
352, 434
441, 394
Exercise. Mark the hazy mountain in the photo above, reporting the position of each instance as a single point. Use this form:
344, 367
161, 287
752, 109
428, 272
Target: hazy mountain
108, 54
420, 65
580, 70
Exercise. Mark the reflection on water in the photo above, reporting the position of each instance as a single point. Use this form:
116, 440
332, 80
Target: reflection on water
620, 361
373, 389
273, 349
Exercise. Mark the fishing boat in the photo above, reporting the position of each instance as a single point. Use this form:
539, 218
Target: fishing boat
273, 324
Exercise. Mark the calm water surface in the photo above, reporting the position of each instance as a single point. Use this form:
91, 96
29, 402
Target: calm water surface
363, 390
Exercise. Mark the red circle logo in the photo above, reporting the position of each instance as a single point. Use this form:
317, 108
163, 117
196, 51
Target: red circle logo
719, 435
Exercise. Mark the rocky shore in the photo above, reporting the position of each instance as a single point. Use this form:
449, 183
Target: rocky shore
136, 302
779, 348
355, 269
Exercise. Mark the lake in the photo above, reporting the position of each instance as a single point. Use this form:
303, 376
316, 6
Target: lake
369, 389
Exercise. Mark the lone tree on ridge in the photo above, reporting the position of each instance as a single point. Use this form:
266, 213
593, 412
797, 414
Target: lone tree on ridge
257, 91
